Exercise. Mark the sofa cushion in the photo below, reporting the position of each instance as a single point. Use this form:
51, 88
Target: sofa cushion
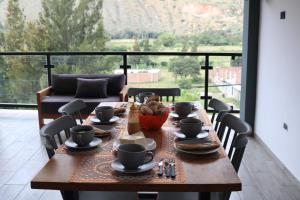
50, 104
66, 84
91, 88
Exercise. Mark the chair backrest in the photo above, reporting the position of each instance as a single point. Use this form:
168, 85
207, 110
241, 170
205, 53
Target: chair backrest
51, 133
219, 119
233, 135
218, 106
73, 109
165, 94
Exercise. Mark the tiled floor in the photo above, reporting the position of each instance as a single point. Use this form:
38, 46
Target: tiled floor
22, 155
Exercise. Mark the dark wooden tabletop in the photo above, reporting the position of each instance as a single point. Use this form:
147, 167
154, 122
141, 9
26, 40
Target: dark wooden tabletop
202, 173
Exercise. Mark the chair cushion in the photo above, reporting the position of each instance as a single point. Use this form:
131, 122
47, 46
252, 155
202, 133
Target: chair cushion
66, 84
91, 88
50, 104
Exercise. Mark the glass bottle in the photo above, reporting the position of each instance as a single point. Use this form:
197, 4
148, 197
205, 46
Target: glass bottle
133, 120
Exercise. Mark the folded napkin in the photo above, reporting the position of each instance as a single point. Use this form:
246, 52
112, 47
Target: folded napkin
196, 144
101, 133
119, 110
137, 138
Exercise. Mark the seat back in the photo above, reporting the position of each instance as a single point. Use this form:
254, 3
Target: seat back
73, 109
232, 133
218, 106
51, 133
165, 94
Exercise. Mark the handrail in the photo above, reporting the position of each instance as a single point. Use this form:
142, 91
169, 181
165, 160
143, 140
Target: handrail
137, 53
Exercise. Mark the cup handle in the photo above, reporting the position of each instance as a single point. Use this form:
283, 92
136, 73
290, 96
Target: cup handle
151, 157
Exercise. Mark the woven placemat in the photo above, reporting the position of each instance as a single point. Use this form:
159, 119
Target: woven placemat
189, 157
97, 169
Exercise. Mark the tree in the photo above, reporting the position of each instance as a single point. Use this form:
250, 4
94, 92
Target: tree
135, 60
146, 47
72, 25
15, 27
184, 67
16, 69
167, 39
184, 46
63, 25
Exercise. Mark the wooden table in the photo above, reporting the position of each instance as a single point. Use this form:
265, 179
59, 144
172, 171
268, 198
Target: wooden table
202, 174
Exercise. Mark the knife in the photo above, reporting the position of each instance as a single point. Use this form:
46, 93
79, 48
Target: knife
160, 165
167, 169
173, 172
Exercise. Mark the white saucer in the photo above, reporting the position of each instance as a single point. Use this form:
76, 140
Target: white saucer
117, 166
175, 115
150, 144
112, 120
202, 134
93, 144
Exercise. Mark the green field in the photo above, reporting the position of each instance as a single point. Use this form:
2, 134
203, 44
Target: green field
167, 78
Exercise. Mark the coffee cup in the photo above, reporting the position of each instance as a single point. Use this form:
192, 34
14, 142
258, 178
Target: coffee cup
133, 155
104, 113
82, 134
144, 95
191, 127
183, 109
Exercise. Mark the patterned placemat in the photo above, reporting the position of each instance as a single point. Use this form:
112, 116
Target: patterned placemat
97, 169
105, 146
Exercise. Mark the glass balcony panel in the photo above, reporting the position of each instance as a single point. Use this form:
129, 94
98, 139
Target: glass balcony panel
168, 72
86, 64
225, 80
21, 77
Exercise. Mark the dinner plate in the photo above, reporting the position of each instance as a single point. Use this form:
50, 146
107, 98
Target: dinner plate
199, 152
175, 115
150, 144
117, 166
112, 120
72, 145
202, 134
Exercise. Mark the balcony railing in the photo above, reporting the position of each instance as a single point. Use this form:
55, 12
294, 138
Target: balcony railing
223, 77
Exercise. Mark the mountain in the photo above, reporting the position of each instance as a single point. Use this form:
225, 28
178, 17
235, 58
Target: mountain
175, 16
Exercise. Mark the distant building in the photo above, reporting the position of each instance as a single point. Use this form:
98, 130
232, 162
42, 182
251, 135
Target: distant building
229, 79
141, 75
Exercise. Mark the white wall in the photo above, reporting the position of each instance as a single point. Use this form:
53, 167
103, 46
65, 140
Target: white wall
278, 90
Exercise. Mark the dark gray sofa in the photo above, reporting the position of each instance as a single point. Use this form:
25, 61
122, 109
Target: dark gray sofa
63, 90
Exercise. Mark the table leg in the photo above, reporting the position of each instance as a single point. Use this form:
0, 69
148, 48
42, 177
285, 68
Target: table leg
70, 195
204, 195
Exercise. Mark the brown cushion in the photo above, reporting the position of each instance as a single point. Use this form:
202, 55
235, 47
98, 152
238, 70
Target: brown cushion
66, 84
91, 88
50, 104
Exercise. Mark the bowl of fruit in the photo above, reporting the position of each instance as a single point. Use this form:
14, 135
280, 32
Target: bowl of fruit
153, 114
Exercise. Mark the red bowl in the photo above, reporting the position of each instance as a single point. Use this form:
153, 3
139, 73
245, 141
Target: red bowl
152, 122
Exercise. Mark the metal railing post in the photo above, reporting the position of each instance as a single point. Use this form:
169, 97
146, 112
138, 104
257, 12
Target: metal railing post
125, 66
49, 66
206, 67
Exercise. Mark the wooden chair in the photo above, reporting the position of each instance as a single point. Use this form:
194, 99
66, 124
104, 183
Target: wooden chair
52, 136
165, 94
231, 127
218, 106
73, 109
233, 135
